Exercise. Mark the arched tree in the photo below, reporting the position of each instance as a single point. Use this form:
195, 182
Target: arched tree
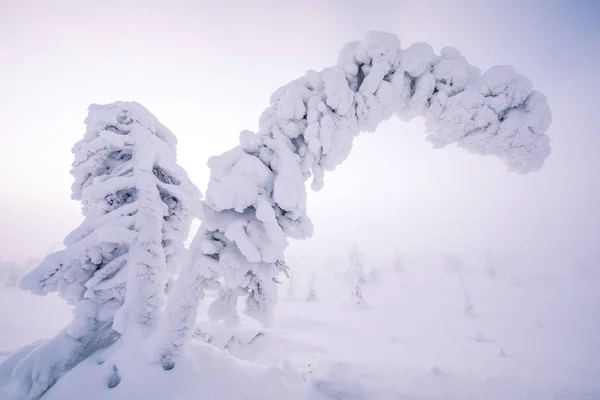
256, 197
138, 205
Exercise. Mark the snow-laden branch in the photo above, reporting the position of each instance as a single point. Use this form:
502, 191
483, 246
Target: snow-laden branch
138, 205
256, 197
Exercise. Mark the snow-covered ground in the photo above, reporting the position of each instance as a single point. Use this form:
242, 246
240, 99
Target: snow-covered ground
532, 334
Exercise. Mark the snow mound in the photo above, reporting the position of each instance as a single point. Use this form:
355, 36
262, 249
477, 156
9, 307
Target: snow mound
204, 372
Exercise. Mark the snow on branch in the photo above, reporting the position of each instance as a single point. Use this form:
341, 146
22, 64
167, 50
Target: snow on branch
256, 197
138, 205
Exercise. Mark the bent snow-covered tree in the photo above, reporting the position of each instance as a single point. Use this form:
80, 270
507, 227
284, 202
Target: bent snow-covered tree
138, 206
256, 197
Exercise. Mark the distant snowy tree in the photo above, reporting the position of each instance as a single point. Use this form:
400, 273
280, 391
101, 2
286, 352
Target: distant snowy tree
12, 272
468, 308
138, 205
9, 274
398, 265
312, 286
256, 196
490, 266
356, 264
292, 289
356, 272
452, 263
291, 292
374, 275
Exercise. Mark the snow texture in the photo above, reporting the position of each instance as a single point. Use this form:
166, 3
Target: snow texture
412, 343
138, 205
256, 197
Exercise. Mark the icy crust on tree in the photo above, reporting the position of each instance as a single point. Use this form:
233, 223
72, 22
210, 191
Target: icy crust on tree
256, 197
138, 205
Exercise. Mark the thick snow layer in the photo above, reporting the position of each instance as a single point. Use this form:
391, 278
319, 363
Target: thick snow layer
115, 268
256, 196
205, 372
532, 336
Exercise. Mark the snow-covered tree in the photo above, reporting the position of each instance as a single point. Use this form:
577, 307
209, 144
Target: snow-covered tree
452, 263
11, 272
224, 308
490, 264
356, 273
312, 286
374, 274
256, 197
292, 282
468, 308
398, 263
138, 205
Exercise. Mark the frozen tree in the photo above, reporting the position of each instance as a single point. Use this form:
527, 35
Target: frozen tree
468, 308
12, 272
9, 273
374, 274
398, 263
138, 205
452, 264
256, 196
312, 286
356, 273
291, 292
490, 265
292, 283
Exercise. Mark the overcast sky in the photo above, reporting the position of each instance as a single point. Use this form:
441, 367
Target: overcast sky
207, 69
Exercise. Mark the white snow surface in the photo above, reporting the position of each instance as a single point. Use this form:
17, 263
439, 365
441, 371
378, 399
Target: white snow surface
532, 337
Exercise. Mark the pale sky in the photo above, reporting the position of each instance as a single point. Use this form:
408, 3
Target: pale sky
207, 69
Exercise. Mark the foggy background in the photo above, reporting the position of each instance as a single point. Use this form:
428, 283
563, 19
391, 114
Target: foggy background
207, 70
